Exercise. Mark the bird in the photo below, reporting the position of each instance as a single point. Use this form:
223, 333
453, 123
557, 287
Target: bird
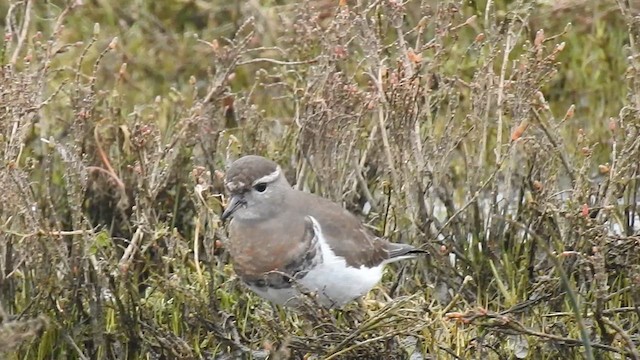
285, 243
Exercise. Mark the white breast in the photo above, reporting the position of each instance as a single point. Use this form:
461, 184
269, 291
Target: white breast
334, 283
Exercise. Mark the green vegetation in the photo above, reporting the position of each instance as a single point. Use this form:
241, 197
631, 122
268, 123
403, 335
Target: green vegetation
501, 136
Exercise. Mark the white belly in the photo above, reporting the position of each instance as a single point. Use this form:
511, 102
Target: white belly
332, 281
336, 284
332, 284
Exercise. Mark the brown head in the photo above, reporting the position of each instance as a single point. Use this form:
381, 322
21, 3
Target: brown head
256, 187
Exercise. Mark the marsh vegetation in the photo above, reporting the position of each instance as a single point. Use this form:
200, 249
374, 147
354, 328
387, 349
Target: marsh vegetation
503, 137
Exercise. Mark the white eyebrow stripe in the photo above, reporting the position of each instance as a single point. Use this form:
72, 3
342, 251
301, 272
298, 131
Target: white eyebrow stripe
268, 178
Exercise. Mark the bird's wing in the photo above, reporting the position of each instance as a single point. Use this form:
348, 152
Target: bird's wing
346, 235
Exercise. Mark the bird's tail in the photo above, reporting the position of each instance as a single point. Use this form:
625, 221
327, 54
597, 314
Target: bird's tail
403, 251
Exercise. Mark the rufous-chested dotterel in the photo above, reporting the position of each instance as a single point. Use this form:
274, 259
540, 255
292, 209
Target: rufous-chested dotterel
284, 242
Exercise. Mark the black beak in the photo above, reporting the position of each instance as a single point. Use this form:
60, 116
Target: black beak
234, 204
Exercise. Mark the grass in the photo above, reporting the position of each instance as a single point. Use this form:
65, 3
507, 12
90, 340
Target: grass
501, 136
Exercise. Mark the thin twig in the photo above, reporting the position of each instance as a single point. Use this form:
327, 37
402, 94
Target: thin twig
586, 341
277, 62
633, 349
555, 143
23, 32
127, 257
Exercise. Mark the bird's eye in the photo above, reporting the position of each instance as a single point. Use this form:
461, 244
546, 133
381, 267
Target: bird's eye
260, 187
